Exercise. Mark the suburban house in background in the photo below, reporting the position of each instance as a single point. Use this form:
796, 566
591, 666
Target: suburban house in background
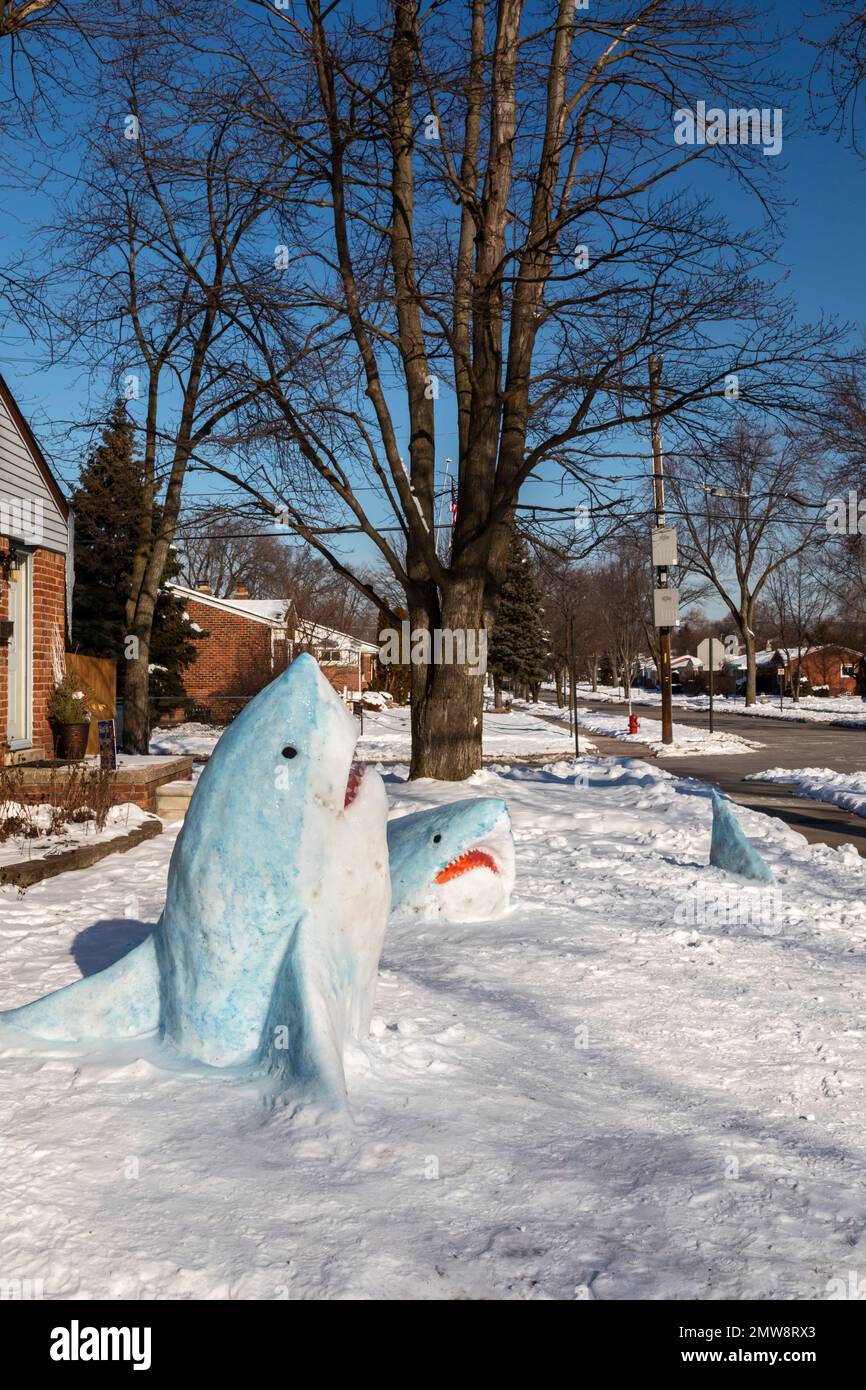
243, 643
35, 586
829, 667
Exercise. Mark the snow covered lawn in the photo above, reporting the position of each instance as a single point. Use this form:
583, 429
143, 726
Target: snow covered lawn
120, 820
185, 739
811, 709
845, 789
686, 739
387, 735
624, 1089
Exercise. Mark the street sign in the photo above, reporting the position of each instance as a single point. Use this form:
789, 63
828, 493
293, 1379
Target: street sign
664, 542
666, 607
719, 653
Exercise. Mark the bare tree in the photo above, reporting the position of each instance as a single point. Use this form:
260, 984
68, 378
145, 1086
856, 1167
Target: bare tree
488, 230
840, 65
798, 601
157, 260
750, 505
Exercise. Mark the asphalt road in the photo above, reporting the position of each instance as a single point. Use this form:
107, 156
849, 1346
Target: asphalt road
786, 744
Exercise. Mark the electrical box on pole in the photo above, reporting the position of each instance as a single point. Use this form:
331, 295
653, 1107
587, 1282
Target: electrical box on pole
664, 540
666, 607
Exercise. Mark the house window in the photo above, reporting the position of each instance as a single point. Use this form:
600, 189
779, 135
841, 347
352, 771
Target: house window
332, 656
848, 670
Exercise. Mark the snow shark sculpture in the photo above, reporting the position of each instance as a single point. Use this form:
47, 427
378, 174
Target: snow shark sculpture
730, 849
278, 894
455, 861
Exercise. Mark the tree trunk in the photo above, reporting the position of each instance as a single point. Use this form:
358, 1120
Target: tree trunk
595, 675
136, 715
751, 668
560, 698
497, 693
448, 698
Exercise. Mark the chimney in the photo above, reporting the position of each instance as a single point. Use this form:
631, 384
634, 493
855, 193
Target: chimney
203, 588
241, 591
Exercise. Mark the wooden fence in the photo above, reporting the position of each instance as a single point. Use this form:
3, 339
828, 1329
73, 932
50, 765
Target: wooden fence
98, 676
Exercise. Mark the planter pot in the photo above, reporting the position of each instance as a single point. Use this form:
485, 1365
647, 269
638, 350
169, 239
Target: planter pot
70, 740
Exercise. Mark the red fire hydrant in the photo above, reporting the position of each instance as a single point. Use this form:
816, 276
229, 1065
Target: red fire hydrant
633, 724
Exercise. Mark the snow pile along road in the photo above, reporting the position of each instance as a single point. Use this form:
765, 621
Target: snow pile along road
845, 789
686, 740
646, 1081
809, 709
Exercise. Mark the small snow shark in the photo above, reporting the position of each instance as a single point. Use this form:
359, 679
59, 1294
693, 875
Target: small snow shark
278, 894
455, 861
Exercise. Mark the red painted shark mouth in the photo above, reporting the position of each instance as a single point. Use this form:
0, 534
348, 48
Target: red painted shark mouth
472, 859
356, 776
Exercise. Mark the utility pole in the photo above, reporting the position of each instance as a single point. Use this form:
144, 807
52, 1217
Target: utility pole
655, 367
573, 684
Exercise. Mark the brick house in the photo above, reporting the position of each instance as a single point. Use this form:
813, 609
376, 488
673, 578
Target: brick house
35, 586
243, 643
836, 667
830, 666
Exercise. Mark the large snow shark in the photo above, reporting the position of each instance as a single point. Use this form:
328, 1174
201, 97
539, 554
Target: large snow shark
278, 895
454, 861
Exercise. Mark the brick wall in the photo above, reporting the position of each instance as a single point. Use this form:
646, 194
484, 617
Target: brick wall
49, 611
236, 659
824, 667
340, 676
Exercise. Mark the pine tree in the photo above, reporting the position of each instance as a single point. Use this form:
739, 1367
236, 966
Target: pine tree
519, 650
107, 505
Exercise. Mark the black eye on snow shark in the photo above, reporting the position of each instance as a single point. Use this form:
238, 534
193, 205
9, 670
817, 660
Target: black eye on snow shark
436, 839
289, 751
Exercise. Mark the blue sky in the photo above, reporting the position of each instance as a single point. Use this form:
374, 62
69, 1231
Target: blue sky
822, 252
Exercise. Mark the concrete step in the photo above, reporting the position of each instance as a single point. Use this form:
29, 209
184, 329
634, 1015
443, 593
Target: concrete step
172, 800
23, 755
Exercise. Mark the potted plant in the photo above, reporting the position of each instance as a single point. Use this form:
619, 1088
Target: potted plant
69, 719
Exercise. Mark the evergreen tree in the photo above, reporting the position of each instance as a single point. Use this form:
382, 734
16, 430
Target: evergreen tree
104, 506
519, 650
107, 505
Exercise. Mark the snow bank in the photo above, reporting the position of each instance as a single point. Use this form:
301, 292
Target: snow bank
686, 739
810, 709
845, 789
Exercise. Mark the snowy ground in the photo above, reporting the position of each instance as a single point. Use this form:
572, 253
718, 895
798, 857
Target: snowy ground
686, 739
387, 735
845, 789
185, 739
811, 709
647, 1081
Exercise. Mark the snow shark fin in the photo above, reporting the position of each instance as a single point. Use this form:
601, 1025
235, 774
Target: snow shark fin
731, 849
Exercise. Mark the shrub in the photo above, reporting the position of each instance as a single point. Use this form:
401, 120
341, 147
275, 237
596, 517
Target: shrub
67, 703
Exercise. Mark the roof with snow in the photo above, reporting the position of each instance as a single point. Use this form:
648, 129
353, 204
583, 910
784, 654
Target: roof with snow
275, 613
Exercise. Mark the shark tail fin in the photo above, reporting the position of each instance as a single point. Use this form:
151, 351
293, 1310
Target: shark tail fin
119, 1002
